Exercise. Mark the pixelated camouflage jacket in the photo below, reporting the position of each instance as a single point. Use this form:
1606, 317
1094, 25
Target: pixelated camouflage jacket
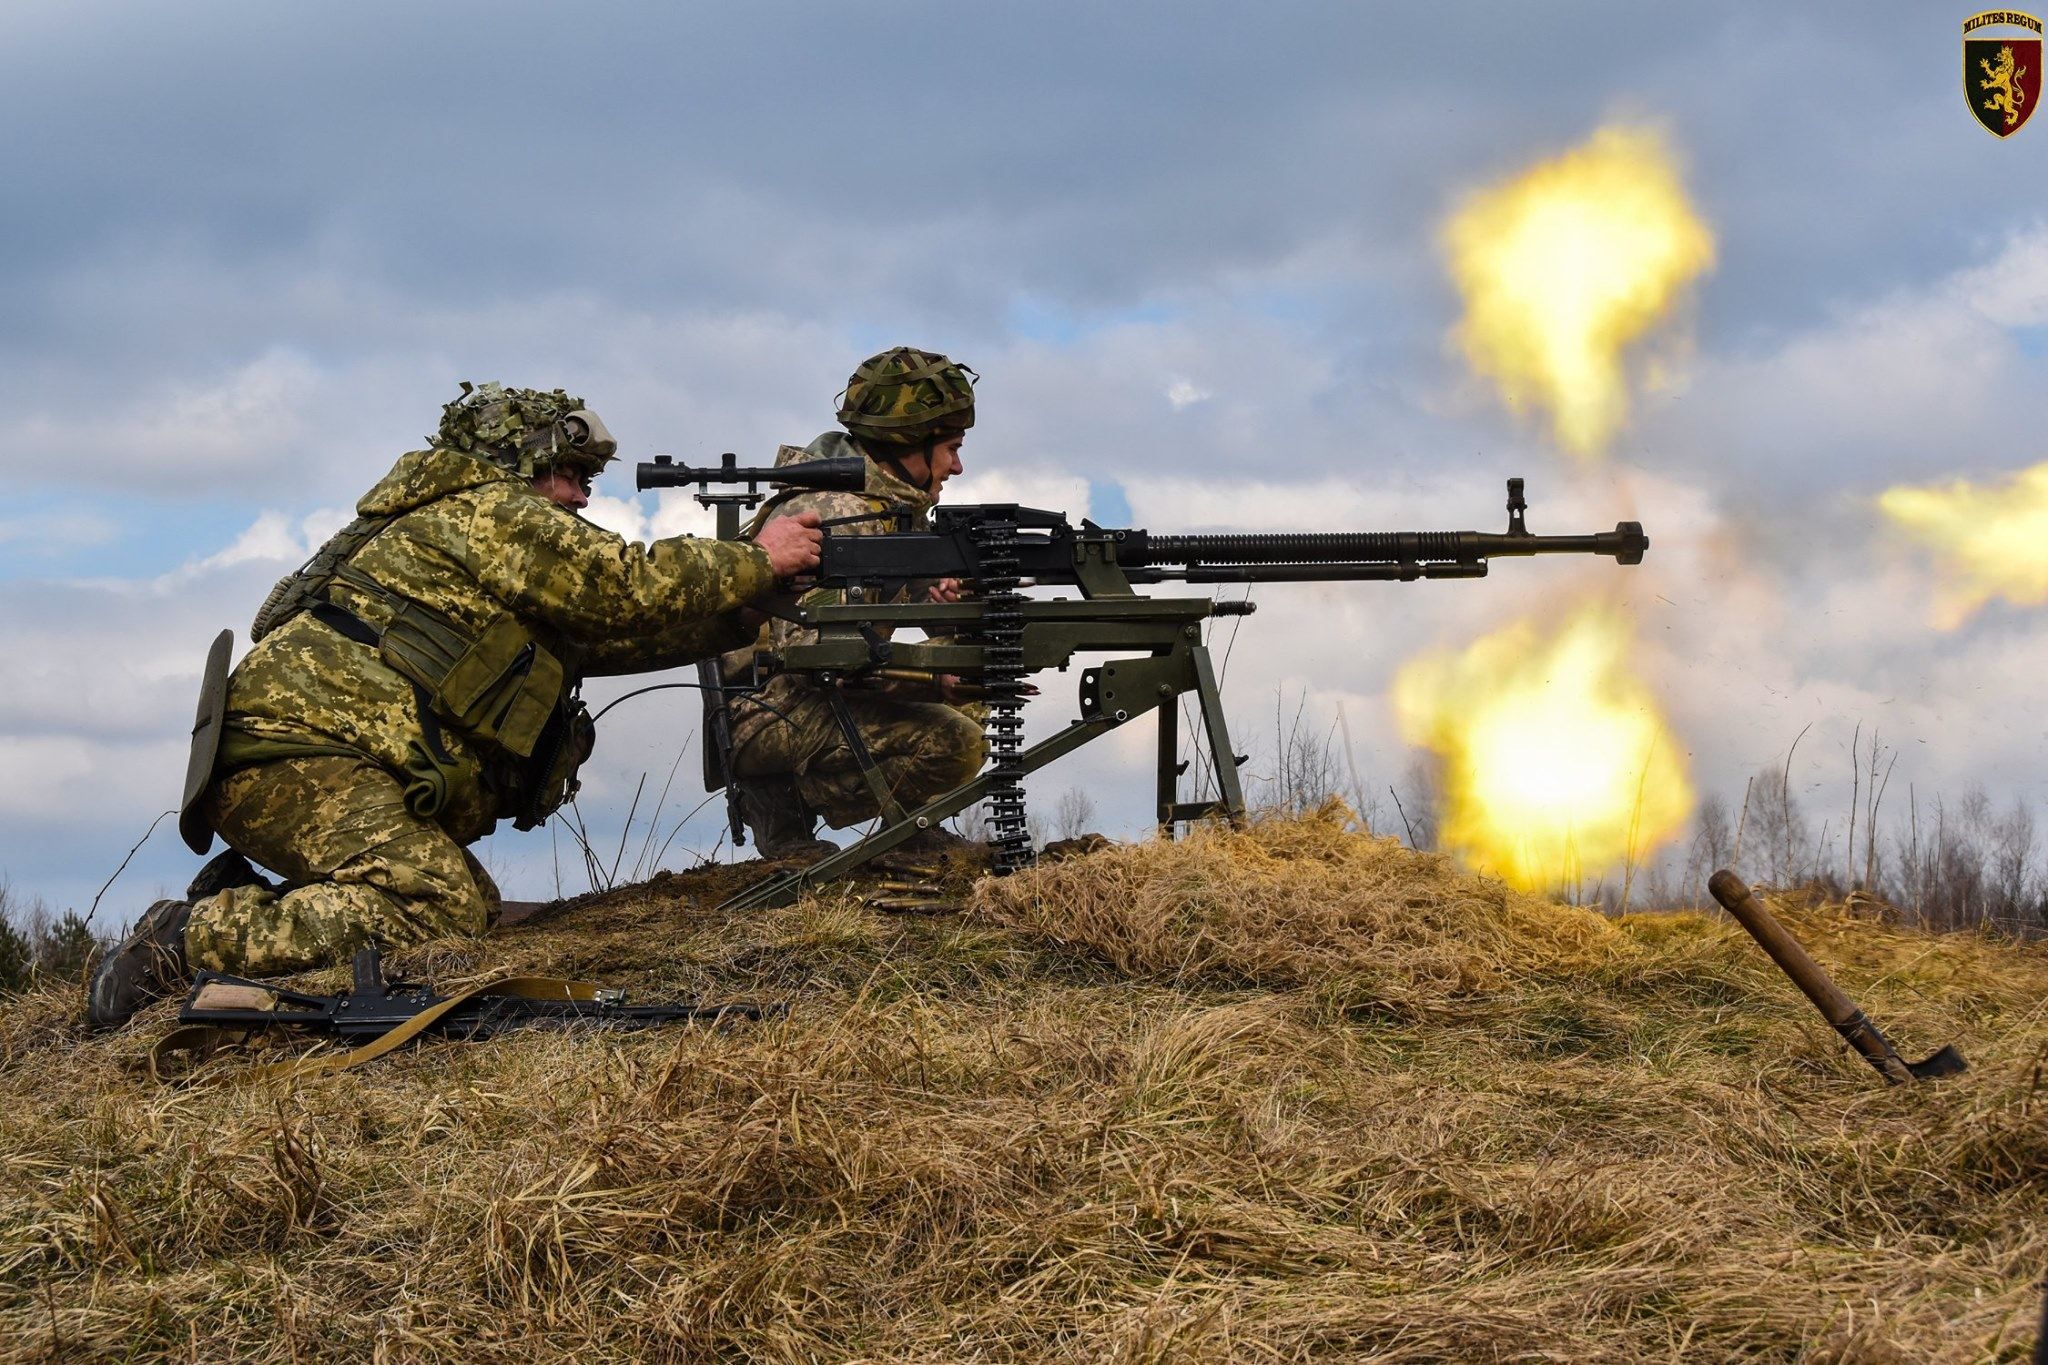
884, 491
474, 542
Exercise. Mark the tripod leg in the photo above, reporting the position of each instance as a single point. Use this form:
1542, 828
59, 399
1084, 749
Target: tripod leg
1169, 765
885, 799
1230, 792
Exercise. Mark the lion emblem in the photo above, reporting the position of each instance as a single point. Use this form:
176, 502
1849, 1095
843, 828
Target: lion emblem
2002, 80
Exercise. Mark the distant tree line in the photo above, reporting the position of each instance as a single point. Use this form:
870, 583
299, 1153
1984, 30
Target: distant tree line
38, 946
1931, 861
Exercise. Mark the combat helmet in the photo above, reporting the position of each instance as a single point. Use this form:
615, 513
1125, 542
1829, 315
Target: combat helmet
906, 397
527, 431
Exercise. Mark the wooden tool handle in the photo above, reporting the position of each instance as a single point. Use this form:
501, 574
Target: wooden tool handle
1833, 1003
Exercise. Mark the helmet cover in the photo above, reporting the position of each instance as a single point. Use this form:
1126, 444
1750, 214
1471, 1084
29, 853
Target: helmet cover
525, 430
906, 397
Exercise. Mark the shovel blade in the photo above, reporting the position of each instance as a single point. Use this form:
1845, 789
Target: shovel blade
1947, 1062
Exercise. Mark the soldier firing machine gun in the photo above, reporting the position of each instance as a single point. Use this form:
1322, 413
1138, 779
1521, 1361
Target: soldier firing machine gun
1000, 636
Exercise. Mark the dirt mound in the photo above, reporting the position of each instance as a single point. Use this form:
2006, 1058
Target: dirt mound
1298, 902
1264, 1095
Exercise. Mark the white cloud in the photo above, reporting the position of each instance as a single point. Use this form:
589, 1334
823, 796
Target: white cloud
279, 540
620, 517
2012, 290
1921, 382
271, 537
678, 514
1182, 392
183, 431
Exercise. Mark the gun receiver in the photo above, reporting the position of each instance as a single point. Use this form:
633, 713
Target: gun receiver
999, 636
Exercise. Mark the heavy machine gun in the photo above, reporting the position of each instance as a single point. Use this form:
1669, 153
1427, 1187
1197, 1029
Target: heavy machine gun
1000, 636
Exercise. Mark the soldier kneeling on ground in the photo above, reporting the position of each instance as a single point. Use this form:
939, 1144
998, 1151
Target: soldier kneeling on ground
906, 412
414, 683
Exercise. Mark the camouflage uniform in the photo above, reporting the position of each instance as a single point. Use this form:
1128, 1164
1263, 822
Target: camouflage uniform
333, 772
364, 867
923, 748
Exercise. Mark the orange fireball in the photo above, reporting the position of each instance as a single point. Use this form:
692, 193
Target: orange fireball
1557, 762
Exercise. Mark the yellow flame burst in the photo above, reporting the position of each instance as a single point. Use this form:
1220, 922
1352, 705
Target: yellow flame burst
1557, 763
1564, 266
1990, 540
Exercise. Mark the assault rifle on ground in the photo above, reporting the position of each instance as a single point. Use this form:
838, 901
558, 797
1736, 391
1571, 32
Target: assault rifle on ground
999, 636
379, 1015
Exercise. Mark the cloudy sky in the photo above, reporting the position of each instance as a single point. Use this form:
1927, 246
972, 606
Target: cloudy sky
248, 250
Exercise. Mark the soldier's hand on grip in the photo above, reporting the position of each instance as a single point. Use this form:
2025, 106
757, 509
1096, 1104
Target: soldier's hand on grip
792, 543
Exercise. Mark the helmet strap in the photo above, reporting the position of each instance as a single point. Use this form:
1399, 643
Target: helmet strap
897, 457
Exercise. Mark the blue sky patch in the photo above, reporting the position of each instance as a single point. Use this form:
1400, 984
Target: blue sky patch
114, 535
1107, 504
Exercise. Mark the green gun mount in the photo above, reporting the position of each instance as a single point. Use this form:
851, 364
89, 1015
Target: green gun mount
847, 473
999, 635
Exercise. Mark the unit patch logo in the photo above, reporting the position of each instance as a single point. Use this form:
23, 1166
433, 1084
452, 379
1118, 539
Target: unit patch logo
2002, 71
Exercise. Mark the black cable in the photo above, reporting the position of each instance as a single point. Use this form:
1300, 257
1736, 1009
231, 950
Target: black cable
641, 692
697, 687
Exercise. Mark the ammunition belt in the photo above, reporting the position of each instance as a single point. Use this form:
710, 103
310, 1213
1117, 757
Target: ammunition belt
1003, 676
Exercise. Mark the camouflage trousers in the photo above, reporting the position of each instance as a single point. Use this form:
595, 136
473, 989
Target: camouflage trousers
921, 749
359, 869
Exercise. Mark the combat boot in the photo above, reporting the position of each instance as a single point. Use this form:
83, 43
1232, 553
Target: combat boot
147, 965
931, 847
225, 871
782, 826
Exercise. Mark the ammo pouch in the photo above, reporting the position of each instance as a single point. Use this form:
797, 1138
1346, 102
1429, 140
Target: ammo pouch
547, 780
430, 774
498, 686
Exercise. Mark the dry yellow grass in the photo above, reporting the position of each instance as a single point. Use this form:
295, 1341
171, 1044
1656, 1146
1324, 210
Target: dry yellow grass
1281, 1094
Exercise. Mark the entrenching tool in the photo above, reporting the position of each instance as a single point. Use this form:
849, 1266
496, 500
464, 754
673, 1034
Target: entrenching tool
1834, 1005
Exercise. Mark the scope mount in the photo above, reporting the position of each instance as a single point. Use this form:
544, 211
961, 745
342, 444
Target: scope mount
727, 470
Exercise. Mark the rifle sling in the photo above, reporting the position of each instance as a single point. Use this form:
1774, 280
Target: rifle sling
204, 1040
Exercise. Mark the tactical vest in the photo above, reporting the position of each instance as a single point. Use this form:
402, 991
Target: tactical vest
307, 584
499, 686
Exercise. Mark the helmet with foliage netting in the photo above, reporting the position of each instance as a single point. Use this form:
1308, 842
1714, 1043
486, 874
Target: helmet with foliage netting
528, 431
905, 397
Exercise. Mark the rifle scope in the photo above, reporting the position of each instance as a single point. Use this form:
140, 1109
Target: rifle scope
840, 474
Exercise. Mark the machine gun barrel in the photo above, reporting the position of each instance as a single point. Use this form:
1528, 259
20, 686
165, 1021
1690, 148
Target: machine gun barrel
1291, 556
1299, 556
